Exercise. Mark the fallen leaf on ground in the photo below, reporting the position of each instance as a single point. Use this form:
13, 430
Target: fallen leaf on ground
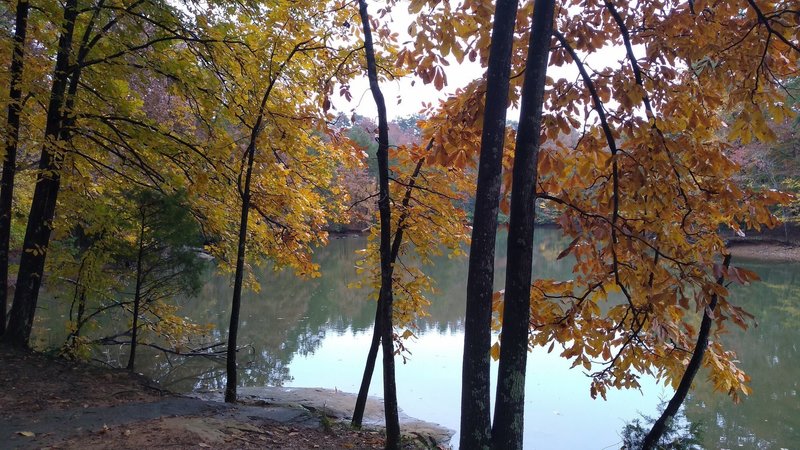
26, 433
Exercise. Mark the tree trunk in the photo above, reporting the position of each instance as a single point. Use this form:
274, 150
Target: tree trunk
137, 294
81, 312
233, 327
10, 160
507, 429
384, 208
475, 422
655, 434
43, 205
369, 368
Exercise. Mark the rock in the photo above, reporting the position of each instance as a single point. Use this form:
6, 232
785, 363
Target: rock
338, 405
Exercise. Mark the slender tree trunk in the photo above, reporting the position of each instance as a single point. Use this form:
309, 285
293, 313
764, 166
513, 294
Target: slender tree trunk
651, 440
507, 429
233, 327
10, 160
81, 312
384, 208
137, 294
79, 298
369, 367
475, 409
37, 233
79, 320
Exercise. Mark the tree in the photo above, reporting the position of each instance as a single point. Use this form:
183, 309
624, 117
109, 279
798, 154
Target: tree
120, 259
662, 158
37, 234
427, 221
11, 145
164, 252
660, 425
275, 69
646, 188
475, 422
81, 56
385, 299
510, 399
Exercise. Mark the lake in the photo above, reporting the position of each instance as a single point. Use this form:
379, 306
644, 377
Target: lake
316, 333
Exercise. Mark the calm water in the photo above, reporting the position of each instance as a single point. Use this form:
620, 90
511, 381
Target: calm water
317, 332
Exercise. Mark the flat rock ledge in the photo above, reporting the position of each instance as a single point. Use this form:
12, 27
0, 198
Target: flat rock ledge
336, 405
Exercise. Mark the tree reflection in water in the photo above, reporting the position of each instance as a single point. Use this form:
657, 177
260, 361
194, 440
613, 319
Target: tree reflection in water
770, 354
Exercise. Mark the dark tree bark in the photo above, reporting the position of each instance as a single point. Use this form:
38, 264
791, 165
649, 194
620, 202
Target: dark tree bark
37, 233
137, 294
475, 409
384, 209
369, 367
655, 434
10, 160
510, 399
233, 327
60, 122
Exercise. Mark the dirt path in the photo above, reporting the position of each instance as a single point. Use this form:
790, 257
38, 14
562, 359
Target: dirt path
52, 403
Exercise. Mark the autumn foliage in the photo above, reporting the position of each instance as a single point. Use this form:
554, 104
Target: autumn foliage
650, 182
648, 110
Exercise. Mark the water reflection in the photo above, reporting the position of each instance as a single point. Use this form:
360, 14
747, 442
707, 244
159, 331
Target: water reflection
291, 317
770, 354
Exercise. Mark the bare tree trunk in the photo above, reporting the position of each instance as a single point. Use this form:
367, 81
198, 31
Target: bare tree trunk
475, 408
509, 408
655, 434
384, 208
10, 160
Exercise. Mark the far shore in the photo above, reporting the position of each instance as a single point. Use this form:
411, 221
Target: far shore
754, 247
765, 250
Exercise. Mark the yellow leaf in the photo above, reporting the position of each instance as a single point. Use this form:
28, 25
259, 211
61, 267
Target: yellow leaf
495, 352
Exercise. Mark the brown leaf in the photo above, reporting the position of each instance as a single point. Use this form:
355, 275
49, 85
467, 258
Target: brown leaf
569, 248
717, 270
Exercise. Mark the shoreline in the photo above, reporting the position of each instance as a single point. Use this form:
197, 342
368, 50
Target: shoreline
756, 248
332, 404
51, 402
766, 250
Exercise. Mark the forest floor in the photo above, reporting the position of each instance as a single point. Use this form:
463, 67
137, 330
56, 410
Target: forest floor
49, 402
